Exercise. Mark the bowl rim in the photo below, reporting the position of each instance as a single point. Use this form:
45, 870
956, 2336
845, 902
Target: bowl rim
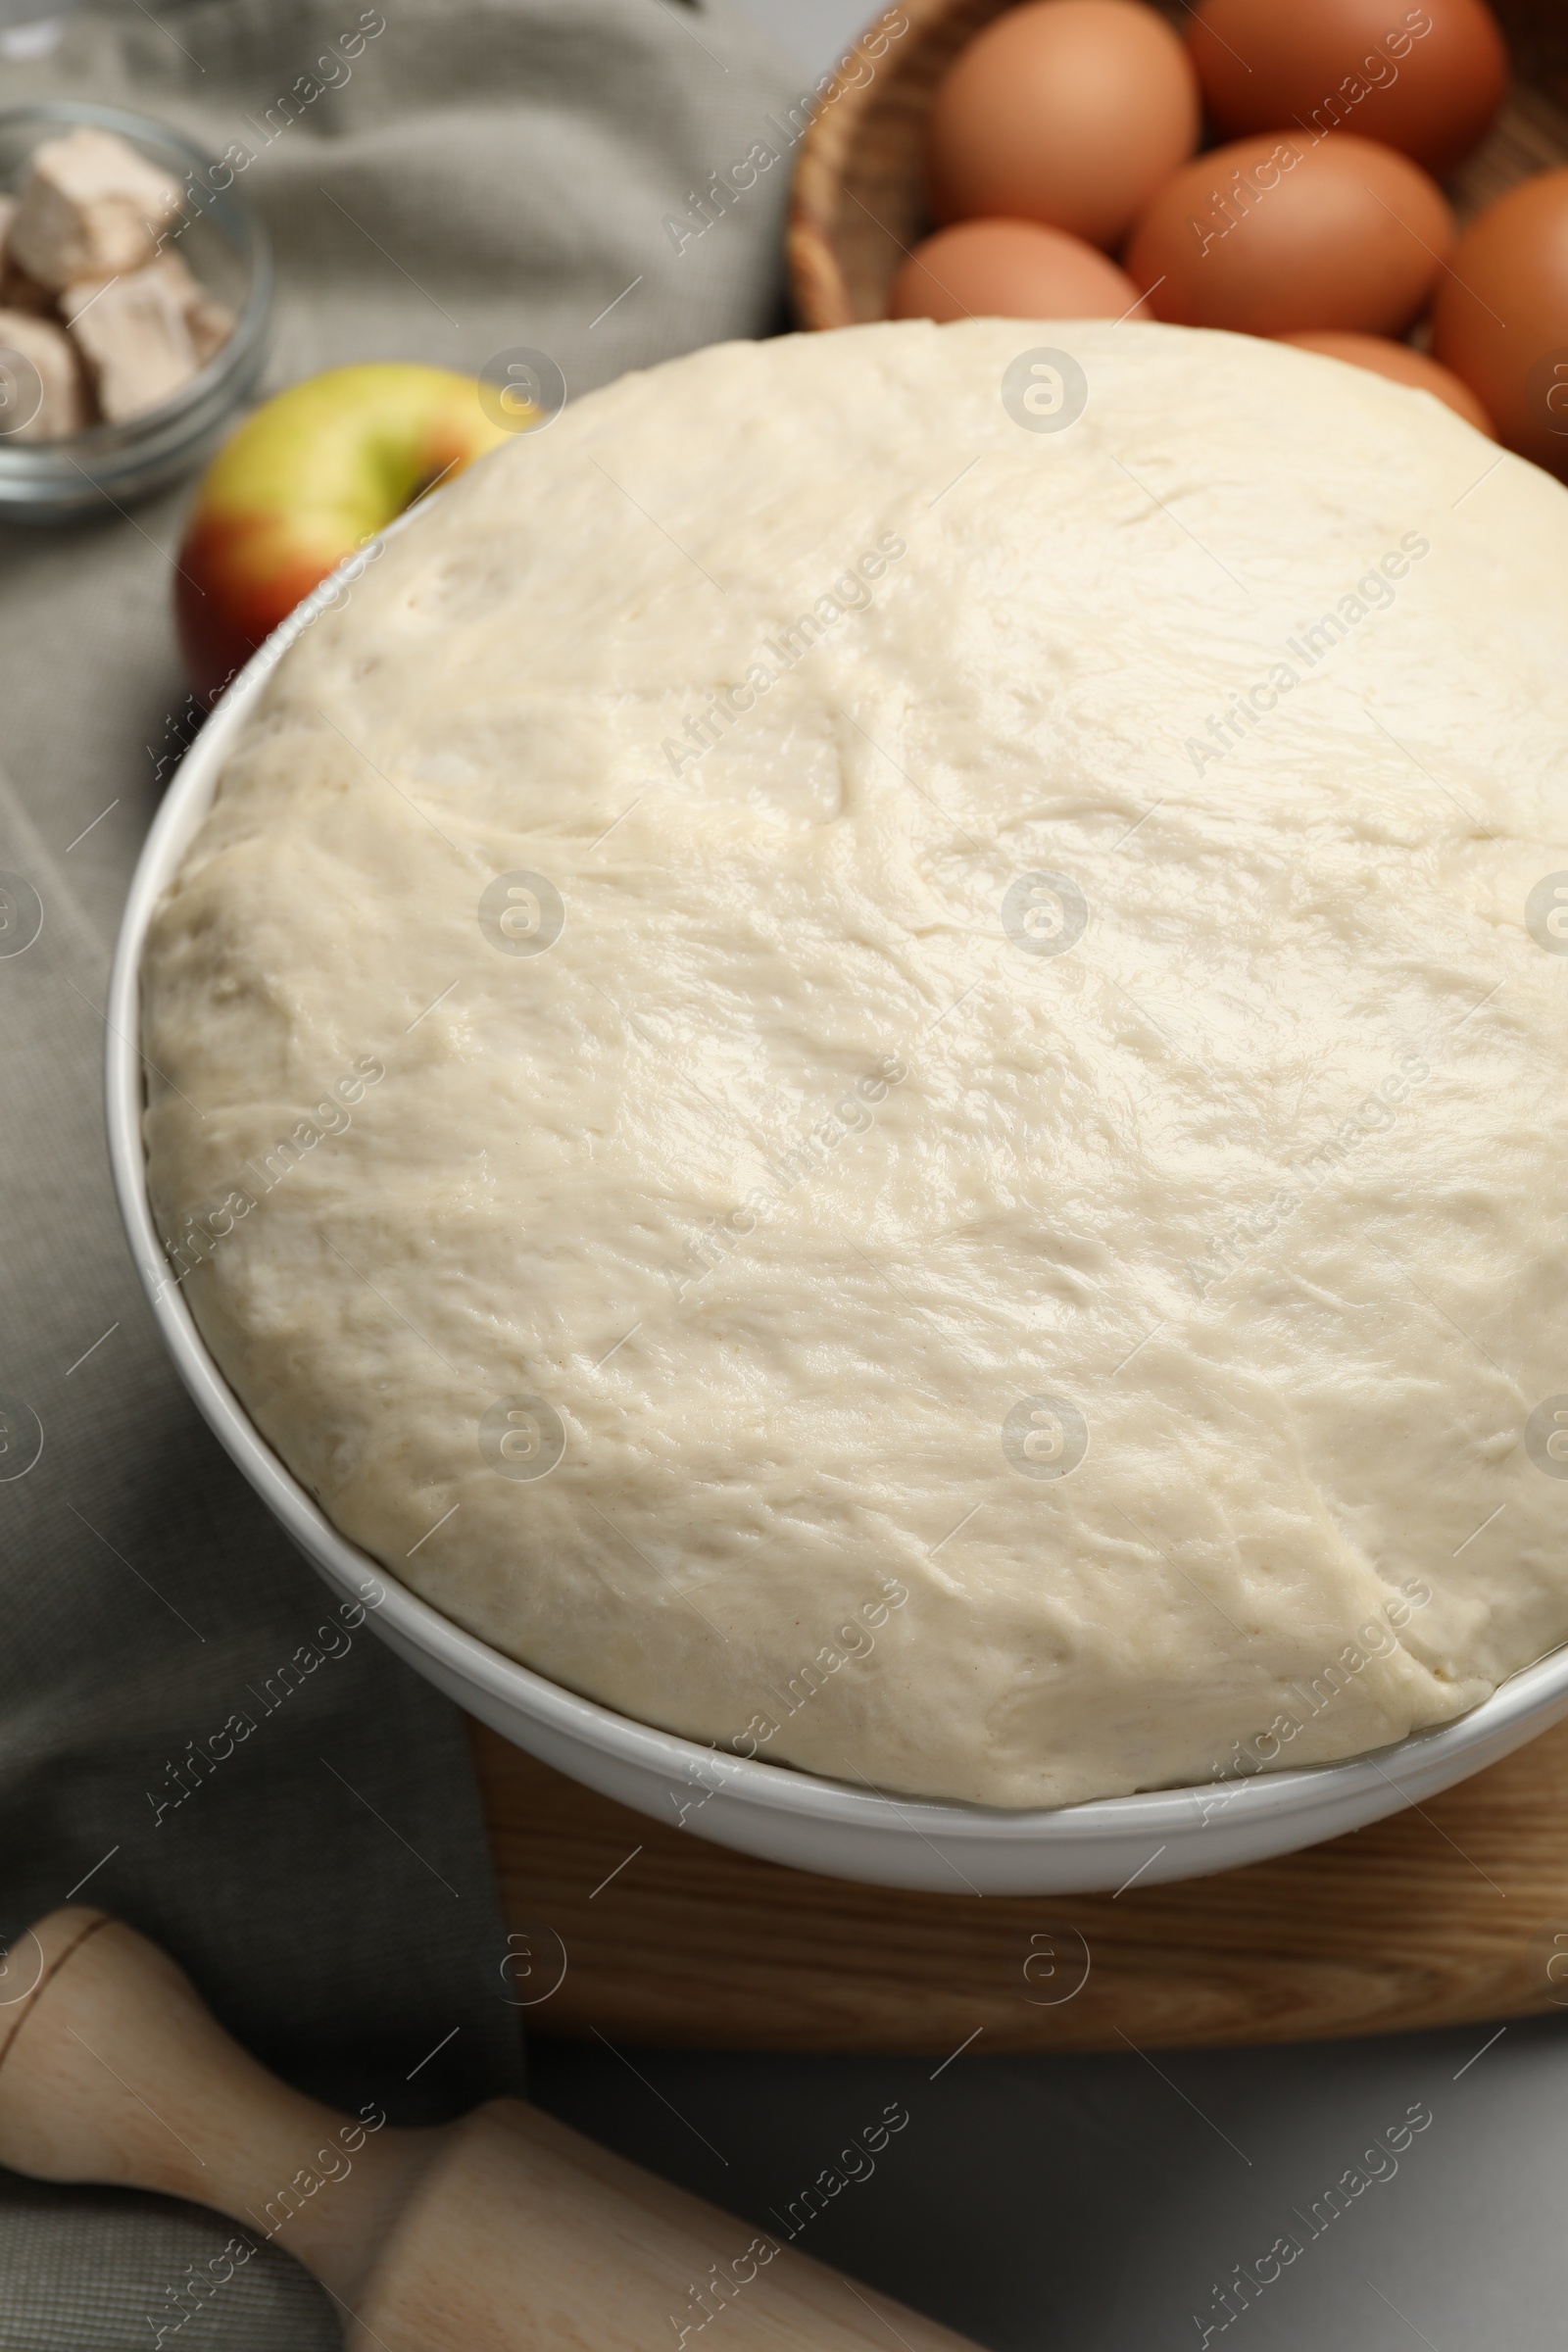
102, 442
1298, 1798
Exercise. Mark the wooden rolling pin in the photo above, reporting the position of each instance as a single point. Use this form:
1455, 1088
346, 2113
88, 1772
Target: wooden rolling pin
502, 2232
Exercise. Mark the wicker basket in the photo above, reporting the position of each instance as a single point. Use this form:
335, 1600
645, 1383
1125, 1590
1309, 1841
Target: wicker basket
857, 206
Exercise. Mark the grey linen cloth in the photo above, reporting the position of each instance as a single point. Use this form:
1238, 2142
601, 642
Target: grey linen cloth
480, 175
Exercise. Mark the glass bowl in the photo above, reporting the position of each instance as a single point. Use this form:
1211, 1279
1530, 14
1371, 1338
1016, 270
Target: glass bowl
226, 249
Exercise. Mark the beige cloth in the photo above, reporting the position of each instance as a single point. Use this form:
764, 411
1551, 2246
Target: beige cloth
486, 173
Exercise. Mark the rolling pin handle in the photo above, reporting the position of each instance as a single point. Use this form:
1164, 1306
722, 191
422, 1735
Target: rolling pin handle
503, 2231
112, 2069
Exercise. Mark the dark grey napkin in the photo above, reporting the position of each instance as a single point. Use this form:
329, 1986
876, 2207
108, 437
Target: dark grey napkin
485, 173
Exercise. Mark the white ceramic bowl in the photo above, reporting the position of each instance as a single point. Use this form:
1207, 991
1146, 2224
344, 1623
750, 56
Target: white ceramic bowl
762, 1808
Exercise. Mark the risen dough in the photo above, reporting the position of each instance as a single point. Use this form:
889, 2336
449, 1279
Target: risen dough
1010, 1340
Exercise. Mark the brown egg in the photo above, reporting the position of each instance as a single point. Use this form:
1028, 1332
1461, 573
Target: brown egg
1501, 316
1274, 233
1009, 270
1069, 112
1402, 365
1427, 81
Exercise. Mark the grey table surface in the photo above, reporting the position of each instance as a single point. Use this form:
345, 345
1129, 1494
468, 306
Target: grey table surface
1371, 2195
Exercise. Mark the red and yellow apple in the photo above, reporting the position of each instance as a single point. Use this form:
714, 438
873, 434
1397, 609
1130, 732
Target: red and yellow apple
308, 479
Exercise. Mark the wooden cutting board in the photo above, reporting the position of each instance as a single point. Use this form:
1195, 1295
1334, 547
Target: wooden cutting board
1453, 1911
